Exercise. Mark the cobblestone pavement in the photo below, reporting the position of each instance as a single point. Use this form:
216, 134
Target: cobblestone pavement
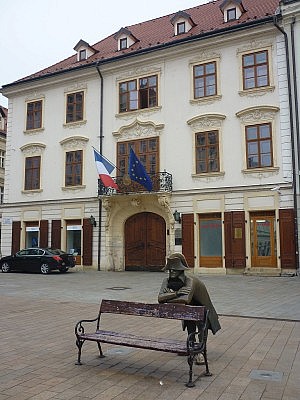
256, 355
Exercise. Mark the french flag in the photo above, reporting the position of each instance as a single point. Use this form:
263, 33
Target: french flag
105, 168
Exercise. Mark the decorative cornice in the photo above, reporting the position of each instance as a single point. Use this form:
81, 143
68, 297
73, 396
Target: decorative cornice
31, 149
202, 122
139, 129
256, 114
73, 142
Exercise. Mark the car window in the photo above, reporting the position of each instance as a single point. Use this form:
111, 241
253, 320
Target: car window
23, 252
32, 252
40, 252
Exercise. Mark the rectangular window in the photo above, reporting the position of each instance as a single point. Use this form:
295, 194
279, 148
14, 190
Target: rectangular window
74, 111
259, 146
205, 80
231, 14
34, 115
207, 152
210, 237
73, 175
138, 94
1, 194
2, 158
180, 28
82, 55
255, 70
32, 173
145, 149
123, 43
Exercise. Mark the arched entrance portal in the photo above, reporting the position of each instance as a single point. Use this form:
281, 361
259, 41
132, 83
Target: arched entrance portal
145, 242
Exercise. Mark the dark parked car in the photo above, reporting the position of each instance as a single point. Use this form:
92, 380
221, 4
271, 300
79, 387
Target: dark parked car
38, 259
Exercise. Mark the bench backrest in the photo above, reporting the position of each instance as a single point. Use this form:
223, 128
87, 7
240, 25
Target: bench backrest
166, 310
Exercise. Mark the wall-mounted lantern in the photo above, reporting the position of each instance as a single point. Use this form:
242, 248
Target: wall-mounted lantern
177, 216
93, 221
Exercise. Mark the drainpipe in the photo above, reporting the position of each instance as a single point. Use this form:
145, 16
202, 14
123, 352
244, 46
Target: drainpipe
292, 134
295, 84
296, 109
100, 150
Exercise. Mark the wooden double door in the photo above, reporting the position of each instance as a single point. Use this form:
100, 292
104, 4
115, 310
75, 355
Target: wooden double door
145, 242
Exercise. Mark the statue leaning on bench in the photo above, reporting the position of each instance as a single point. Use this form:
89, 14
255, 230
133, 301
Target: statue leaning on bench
186, 289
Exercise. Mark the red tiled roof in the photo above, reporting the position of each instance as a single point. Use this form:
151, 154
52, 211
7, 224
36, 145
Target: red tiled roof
159, 31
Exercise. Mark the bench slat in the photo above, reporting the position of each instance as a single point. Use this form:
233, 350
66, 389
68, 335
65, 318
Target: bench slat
124, 339
165, 310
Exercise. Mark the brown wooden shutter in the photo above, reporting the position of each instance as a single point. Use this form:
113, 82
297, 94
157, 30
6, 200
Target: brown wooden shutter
16, 236
187, 223
228, 239
56, 234
235, 244
87, 256
287, 238
44, 233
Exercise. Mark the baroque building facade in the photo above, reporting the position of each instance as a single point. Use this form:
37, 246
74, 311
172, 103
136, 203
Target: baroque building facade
203, 98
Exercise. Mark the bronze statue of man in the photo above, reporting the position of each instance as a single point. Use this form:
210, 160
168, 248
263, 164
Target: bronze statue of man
186, 289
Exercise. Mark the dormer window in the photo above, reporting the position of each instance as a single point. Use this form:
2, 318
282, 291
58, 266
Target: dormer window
231, 14
125, 39
182, 23
232, 9
123, 43
84, 50
180, 28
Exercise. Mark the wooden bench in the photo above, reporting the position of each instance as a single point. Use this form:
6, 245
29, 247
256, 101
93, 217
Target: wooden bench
188, 347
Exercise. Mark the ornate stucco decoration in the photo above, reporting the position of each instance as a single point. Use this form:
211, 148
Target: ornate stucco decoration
138, 72
34, 96
205, 55
33, 149
257, 114
164, 202
74, 142
135, 202
139, 129
107, 205
76, 87
254, 45
206, 121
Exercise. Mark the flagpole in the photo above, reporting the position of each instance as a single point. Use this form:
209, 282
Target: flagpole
100, 148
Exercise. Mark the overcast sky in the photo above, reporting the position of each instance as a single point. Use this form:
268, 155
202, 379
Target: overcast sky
35, 34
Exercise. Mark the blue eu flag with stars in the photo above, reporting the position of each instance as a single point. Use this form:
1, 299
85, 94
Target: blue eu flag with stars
137, 171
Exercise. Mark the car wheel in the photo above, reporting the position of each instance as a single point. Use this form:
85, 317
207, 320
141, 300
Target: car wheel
5, 267
45, 269
65, 269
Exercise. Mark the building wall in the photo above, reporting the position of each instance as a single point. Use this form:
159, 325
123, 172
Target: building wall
176, 120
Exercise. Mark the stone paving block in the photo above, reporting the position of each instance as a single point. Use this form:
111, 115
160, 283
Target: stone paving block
41, 366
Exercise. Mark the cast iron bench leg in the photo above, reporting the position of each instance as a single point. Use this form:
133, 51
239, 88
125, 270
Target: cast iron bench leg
190, 361
100, 350
79, 344
207, 372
